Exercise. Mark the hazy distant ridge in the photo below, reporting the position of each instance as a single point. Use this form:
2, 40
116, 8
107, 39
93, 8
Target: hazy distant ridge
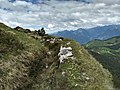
85, 35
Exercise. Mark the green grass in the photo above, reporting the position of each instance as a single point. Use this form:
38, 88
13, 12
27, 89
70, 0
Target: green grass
23, 60
107, 52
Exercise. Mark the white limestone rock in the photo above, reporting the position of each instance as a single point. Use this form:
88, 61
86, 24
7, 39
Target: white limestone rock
65, 53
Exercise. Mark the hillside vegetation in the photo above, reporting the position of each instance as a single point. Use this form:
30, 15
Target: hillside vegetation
32, 62
107, 52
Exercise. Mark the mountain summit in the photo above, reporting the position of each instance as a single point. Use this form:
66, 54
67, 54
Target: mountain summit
29, 61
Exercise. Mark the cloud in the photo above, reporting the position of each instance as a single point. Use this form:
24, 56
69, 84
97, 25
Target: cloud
57, 15
110, 2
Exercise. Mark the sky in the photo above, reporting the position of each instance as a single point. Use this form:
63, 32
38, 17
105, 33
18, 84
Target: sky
58, 15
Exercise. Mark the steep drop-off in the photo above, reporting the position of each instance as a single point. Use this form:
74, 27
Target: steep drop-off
107, 52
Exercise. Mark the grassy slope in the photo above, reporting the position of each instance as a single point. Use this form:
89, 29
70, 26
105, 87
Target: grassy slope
23, 60
107, 52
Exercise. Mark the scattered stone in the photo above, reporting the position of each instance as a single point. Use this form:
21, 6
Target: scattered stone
60, 39
52, 40
46, 65
76, 84
68, 43
63, 73
47, 40
87, 78
72, 58
50, 52
84, 74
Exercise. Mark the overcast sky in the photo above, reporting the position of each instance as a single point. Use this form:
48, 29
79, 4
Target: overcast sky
59, 15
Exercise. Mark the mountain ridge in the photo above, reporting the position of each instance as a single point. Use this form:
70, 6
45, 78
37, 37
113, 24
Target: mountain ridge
29, 61
85, 35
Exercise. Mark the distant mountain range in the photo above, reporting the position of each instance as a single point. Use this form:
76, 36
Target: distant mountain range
85, 35
107, 52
